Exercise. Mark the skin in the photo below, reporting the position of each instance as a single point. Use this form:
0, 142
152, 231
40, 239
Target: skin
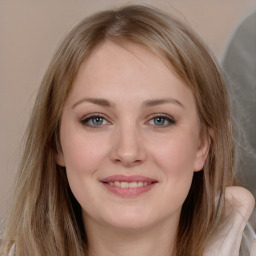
130, 140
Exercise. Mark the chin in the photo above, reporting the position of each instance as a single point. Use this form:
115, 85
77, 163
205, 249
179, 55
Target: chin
130, 220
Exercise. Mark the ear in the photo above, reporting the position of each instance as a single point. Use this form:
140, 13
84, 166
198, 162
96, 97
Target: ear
203, 149
59, 158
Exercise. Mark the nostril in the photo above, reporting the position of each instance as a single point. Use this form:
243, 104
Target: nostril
128, 152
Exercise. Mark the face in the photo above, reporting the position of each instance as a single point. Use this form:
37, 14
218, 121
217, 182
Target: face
130, 138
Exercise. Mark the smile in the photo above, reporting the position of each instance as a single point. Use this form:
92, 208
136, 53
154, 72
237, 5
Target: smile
128, 186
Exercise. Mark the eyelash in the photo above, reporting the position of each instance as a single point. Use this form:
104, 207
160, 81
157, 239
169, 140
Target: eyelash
169, 119
85, 121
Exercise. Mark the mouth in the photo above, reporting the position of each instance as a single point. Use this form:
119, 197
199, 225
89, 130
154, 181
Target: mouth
128, 186
124, 184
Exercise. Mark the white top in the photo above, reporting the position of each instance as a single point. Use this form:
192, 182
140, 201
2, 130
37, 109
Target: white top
12, 251
239, 206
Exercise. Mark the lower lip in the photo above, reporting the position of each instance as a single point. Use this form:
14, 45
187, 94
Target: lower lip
129, 192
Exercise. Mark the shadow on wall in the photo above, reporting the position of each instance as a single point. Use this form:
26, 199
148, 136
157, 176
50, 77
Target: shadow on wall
239, 63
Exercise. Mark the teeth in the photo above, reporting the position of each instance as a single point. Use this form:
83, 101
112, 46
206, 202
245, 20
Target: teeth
117, 184
140, 184
133, 184
124, 184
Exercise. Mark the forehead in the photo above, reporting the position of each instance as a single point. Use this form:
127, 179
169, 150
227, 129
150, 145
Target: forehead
124, 50
127, 68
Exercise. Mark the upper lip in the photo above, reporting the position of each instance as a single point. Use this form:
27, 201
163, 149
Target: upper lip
123, 178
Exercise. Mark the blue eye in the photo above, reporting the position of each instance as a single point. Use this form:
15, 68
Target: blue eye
94, 121
163, 121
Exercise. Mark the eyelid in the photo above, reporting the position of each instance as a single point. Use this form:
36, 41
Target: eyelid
86, 118
171, 119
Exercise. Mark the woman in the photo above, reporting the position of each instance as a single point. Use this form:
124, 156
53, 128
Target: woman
129, 148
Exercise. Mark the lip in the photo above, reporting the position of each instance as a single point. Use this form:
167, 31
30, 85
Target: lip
124, 178
128, 192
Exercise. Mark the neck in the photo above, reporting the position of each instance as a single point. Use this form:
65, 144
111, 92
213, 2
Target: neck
154, 241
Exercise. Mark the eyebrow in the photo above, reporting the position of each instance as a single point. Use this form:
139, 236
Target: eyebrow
155, 102
97, 101
147, 103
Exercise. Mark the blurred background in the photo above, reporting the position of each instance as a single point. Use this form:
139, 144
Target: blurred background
30, 31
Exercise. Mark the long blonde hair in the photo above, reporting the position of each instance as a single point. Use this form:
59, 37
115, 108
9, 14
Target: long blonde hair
45, 218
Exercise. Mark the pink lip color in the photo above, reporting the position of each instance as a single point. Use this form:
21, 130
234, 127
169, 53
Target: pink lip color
124, 178
128, 192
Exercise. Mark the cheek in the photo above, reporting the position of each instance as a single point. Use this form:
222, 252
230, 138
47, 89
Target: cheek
83, 157
176, 160
176, 156
83, 154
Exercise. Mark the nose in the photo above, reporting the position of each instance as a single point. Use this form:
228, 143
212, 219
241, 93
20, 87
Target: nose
128, 147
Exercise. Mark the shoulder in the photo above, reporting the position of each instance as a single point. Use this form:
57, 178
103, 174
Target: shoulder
239, 204
240, 200
253, 248
12, 251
